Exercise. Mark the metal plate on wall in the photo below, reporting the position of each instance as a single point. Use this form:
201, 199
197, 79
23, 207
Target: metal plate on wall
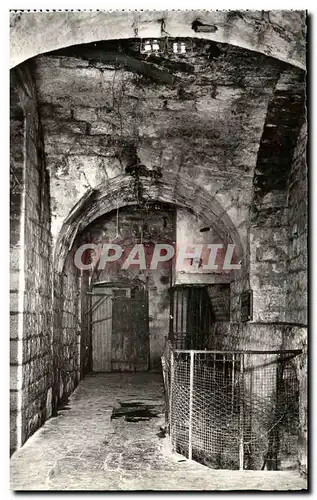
246, 306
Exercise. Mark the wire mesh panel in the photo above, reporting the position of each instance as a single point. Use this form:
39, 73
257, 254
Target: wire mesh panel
180, 398
216, 410
166, 369
271, 415
234, 410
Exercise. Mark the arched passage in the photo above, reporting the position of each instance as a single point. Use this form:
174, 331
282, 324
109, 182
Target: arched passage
120, 191
263, 33
105, 203
268, 32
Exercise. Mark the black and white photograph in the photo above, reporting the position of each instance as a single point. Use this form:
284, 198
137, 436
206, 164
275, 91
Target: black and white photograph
158, 250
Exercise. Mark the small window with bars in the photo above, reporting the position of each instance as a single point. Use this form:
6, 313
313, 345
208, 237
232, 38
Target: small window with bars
150, 46
179, 47
155, 46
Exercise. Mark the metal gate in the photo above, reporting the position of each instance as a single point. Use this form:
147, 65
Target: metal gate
190, 317
233, 409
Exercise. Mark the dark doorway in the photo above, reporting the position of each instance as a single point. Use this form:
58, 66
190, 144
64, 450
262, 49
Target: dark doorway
191, 316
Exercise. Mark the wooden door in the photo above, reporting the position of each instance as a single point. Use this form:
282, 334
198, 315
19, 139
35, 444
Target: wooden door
101, 330
130, 333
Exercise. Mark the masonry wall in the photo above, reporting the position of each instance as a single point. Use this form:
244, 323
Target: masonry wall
200, 118
184, 116
16, 250
297, 301
268, 258
220, 301
31, 285
67, 332
296, 305
188, 235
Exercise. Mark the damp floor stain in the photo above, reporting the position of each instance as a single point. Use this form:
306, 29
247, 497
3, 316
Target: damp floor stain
136, 411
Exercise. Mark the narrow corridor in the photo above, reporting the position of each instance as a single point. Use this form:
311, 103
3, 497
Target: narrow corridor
84, 448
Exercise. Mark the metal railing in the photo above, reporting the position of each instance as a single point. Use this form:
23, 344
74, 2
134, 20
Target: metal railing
232, 409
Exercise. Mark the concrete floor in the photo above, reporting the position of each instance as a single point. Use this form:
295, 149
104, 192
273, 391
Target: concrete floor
83, 449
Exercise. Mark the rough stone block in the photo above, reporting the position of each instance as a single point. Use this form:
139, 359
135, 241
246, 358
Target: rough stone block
267, 253
178, 105
51, 111
14, 325
101, 128
85, 114
14, 347
73, 62
14, 302
13, 401
275, 199
68, 127
14, 374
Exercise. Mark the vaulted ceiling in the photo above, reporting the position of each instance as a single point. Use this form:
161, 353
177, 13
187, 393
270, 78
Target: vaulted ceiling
214, 116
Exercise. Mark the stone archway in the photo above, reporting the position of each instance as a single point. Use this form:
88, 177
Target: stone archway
120, 191
274, 33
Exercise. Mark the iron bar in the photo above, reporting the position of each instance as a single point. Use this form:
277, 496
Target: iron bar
171, 399
232, 388
237, 351
191, 394
100, 320
182, 312
214, 370
241, 422
98, 303
176, 314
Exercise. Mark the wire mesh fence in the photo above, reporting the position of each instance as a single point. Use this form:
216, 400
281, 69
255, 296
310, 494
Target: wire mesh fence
233, 410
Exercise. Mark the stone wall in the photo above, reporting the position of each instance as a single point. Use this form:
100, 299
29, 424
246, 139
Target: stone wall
196, 116
239, 284
67, 332
275, 174
188, 235
268, 258
16, 251
220, 301
296, 305
31, 286
254, 335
